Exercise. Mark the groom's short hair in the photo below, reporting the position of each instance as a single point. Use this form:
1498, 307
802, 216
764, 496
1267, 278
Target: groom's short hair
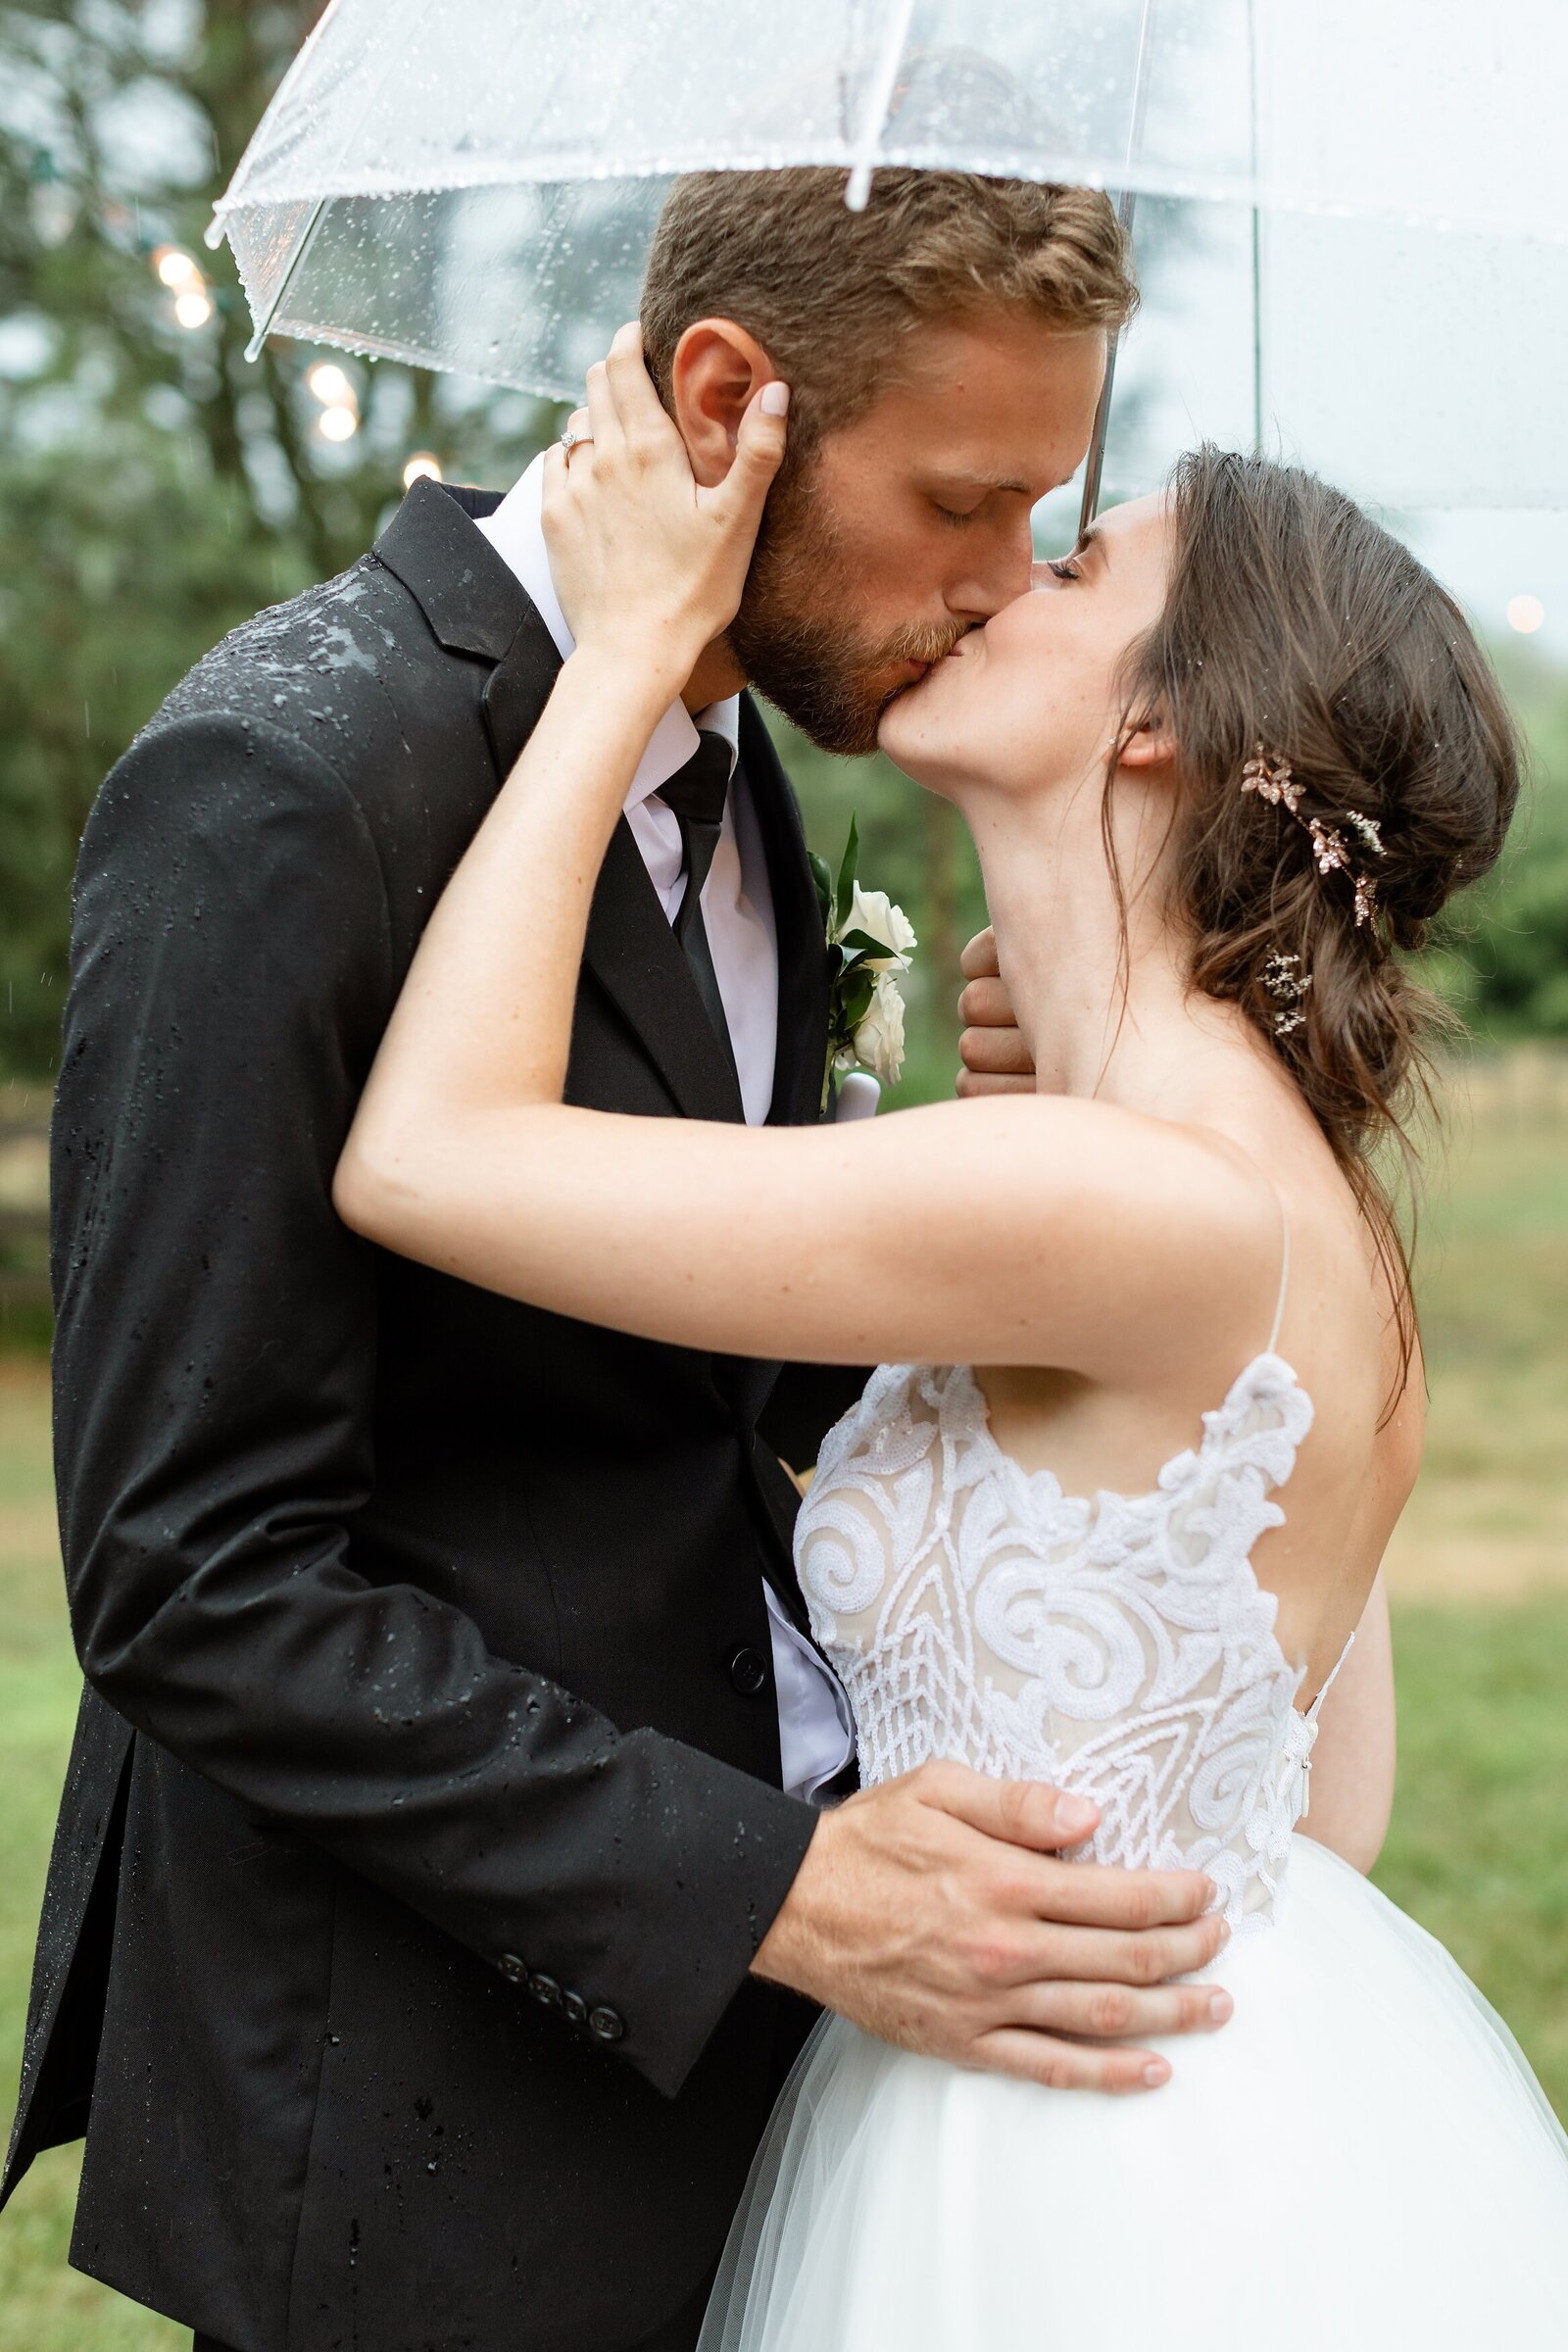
830, 294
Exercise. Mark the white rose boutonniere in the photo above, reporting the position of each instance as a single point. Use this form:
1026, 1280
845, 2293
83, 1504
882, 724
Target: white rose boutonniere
873, 912
872, 941
879, 1040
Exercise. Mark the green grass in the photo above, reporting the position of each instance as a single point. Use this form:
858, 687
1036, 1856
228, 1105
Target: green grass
1479, 1846
1489, 1516
44, 2306
1478, 1850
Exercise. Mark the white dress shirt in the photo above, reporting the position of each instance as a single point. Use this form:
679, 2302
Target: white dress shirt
814, 1731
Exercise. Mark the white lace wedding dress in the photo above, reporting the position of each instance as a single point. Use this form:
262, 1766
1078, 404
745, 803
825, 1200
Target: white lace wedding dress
1360, 2159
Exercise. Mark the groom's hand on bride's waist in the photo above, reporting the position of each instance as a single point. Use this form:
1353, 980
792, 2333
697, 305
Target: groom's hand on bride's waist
996, 1056
934, 1912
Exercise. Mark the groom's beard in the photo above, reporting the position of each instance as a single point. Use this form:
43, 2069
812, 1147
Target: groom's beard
795, 636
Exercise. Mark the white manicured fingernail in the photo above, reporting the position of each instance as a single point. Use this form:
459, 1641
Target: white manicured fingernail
776, 399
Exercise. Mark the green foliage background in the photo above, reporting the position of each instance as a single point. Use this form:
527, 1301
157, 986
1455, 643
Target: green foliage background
155, 488
1504, 961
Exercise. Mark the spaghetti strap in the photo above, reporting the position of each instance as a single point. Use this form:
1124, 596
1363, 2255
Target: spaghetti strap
1284, 1276
1312, 1712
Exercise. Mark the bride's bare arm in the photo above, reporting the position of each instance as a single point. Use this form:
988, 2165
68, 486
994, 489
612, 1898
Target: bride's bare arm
1005, 1232
998, 1232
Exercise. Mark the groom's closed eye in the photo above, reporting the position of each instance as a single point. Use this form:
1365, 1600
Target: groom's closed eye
960, 497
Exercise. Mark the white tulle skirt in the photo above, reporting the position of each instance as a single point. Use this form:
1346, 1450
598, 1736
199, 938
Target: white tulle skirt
1360, 2159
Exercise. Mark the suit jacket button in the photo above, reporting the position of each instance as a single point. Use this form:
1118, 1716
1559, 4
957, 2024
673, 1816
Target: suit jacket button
512, 1968
575, 2007
546, 1991
604, 2025
748, 1673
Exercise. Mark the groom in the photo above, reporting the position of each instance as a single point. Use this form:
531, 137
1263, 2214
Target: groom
439, 1832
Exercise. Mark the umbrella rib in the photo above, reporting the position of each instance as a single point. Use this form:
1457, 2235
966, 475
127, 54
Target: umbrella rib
1257, 233
1094, 461
879, 98
263, 325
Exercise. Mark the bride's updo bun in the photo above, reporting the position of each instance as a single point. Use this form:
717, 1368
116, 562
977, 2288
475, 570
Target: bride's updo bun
1299, 636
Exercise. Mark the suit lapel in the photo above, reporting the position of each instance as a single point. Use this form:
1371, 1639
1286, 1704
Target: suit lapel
803, 964
475, 605
518, 688
632, 954
472, 600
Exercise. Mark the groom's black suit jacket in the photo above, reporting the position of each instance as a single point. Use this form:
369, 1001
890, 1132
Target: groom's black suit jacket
424, 1815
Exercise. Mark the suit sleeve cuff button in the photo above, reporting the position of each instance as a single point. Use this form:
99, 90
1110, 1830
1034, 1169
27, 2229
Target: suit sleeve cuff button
604, 2025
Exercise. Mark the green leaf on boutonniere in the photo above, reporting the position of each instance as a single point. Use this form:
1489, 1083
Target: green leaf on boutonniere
844, 898
860, 943
858, 999
822, 876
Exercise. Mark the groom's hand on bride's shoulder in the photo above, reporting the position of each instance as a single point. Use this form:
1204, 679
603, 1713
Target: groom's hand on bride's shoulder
934, 1912
996, 1058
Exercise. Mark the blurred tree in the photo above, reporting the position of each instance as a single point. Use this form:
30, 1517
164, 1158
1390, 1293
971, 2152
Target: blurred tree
1503, 956
155, 487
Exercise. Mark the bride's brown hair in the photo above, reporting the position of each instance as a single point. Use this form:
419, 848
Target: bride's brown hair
1295, 622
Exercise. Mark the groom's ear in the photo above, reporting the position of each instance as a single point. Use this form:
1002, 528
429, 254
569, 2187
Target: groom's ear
717, 372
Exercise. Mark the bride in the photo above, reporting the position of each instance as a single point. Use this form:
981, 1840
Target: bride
1151, 1395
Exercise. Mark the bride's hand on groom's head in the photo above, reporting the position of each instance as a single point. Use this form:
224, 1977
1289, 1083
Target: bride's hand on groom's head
996, 1058
648, 563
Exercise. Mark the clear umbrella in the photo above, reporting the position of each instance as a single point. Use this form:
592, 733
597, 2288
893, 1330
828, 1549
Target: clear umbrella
1353, 212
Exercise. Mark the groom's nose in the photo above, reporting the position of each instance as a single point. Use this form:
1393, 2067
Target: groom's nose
997, 566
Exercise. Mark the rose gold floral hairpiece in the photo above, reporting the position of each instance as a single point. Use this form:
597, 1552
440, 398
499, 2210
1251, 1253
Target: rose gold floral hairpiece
1270, 777
1272, 781
1287, 983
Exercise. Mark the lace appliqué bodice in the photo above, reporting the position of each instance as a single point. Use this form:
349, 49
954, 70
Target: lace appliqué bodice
1120, 1647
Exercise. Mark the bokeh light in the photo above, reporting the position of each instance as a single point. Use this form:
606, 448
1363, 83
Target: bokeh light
339, 422
193, 308
1526, 615
177, 268
331, 388
421, 467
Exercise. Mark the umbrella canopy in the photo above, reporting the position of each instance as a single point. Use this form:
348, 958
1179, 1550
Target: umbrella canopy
1358, 248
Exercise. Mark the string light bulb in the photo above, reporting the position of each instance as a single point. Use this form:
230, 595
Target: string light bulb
192, 309
339, 422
